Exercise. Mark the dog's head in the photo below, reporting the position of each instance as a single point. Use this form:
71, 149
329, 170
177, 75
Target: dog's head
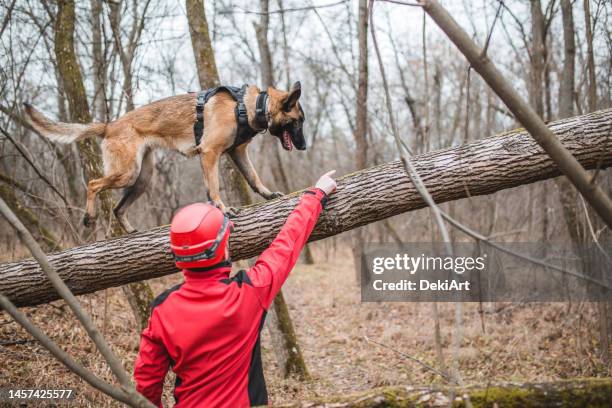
286, 117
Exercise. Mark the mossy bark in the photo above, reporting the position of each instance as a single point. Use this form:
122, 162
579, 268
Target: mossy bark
286, 346
588, 392
307, 256
139, 294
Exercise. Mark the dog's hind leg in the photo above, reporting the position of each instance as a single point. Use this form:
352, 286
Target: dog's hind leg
240, 156
96, 186
133, 192
121, 168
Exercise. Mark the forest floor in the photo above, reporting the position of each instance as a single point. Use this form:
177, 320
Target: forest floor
504, 342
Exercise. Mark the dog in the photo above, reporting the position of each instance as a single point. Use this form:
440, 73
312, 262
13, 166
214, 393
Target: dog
129, 141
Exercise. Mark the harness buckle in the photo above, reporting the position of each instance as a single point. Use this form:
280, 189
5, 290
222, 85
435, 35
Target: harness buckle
200, 105
241, 112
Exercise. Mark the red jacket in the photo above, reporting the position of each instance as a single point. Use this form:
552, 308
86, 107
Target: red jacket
207, 328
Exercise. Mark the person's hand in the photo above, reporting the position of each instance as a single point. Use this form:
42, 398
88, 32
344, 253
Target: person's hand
327, 183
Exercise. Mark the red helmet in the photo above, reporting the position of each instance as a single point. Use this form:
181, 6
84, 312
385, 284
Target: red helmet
198, 236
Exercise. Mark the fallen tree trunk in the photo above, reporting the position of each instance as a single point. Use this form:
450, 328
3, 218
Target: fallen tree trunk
482, 167
588, 392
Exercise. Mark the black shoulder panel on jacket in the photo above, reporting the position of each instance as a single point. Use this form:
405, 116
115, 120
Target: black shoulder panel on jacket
164, 295
240, 278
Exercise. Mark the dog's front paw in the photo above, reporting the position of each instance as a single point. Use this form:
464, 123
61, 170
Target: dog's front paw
274, 195
89, 221
218, 204
232, 212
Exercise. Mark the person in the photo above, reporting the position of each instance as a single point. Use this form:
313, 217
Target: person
207, 329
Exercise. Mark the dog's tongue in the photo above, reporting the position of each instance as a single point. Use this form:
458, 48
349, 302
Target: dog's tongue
287, 145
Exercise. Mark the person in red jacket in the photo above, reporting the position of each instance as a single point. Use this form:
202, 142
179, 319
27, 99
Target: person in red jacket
207, 329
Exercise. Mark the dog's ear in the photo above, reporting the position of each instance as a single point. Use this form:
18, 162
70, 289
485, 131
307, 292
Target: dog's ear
292, 98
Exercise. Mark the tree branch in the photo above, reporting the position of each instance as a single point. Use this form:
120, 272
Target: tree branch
62, 289
36, 170
568, 164
60, 354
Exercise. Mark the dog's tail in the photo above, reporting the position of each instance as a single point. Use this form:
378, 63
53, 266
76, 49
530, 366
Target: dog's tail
59, 131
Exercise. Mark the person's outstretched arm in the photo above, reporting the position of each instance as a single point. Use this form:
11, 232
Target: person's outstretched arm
151, 365
274, 264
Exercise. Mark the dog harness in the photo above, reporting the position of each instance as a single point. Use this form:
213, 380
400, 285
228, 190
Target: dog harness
244, 132
207, 330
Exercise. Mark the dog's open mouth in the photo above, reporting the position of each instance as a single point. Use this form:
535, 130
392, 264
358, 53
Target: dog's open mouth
286, 141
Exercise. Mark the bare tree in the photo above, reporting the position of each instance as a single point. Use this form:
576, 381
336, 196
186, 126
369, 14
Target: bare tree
361, 121
567, 82
126, 52
287, 349
100, 65
361, 117
233, 185
269, 144
139, 294
537, 57
527, 116
592, 84
280, 325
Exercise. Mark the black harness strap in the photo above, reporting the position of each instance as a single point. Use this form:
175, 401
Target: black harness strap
198, 126
244, 131
261, 107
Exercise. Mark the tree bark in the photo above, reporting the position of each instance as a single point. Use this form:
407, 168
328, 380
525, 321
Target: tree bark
126, 55
592, 85
575, 217
566, 84
567, 193
139, 293
269, 144
286, 347
537, 58
265, 56
99, 62
361, 119
361, 122
478, 168
281, 328
539, 92
234, 188
208, 75
592, 392
284, 339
